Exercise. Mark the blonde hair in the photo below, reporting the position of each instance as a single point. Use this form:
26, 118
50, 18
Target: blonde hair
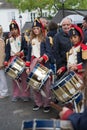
40, 36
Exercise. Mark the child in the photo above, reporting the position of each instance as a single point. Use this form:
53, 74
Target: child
78, 120
17, 46
39, 51
77, 55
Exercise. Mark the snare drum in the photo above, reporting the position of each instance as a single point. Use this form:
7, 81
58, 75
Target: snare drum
66, 88
15, 68
46, 124
38, 76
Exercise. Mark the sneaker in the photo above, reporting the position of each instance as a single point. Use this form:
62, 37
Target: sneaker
14, 99
46, 109
35, 108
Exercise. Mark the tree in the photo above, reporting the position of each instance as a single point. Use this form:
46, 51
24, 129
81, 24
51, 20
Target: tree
29, 5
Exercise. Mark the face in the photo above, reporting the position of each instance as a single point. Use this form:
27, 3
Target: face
84, 24
36, 30
14, 32
75, 39
66, 25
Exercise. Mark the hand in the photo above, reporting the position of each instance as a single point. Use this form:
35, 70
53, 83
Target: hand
5, 63
40, 59
73, 67
59, 71
17, 54
28, 71
65, 113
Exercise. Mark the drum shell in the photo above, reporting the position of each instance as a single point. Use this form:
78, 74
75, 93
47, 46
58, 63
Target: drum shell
66, 88
38, 76
46, 124
15, 68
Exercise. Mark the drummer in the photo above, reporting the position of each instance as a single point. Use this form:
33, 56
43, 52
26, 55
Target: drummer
39, 51
77, 55
17, 46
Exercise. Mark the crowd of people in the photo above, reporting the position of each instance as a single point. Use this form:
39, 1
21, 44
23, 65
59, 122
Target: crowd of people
58, 49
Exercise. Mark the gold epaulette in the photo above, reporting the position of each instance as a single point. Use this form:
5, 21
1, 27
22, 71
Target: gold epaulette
51, 41
67, 55
84, 54
7, 41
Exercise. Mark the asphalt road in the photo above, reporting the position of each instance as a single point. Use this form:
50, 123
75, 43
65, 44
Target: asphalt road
12, 114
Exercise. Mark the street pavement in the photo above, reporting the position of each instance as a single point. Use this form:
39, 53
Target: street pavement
13, 114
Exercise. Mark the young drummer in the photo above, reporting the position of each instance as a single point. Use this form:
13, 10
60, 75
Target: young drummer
77, 55
39, 51
17, 46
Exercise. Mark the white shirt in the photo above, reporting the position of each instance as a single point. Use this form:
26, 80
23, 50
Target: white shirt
35, 48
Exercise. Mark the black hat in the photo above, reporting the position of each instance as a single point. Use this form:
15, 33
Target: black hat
13, 24
37, 23
73, 32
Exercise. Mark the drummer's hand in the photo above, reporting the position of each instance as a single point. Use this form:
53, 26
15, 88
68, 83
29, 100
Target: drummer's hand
40, 59
5, 63
17, 54
59, 71
73, 67
28, 70
65, 113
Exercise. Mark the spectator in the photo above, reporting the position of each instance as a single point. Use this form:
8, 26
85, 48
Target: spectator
84, 27
3, 82
52, 30
62, 44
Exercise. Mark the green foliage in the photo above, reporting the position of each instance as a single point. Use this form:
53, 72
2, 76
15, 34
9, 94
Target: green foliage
47, 4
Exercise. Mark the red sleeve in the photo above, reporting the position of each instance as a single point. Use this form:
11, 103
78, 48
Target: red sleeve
45, 57
27, 64
63, 68
79, 67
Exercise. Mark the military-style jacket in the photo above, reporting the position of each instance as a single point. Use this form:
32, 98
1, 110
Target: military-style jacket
77, 55
45, 51
14, 45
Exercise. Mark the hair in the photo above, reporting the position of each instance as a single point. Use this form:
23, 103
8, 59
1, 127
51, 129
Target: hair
1, 31
40, 36
85, 18
52, 26
66, 18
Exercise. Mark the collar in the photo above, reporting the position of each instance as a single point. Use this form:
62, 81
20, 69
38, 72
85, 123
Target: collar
79, 43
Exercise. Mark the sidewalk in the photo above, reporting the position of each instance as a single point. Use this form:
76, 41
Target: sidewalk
12, 114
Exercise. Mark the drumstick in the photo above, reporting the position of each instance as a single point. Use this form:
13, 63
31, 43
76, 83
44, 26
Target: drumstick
56, 106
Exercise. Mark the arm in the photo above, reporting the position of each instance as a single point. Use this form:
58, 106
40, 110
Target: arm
78, 120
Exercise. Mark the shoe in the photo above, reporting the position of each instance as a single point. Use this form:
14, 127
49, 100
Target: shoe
14, 99
46, 109
35, 108
25, 99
